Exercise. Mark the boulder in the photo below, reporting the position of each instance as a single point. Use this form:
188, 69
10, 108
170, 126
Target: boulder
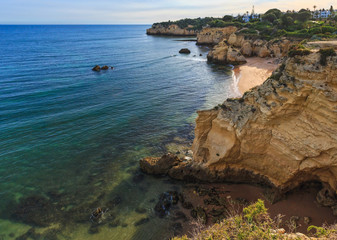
105, 67
159, 166
247, 49
234, 57
185, 51
264, 52
97, 68
236, 40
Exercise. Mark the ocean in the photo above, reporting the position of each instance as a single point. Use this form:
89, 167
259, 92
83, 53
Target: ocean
71, 138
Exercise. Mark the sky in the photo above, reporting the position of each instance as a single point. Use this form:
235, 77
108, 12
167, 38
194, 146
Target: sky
135, 11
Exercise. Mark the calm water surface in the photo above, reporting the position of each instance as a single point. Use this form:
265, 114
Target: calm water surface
73, 137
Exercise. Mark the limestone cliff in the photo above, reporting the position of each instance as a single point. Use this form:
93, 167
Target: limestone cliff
243, 46
171, 30
224, 54
284, 130
212, 36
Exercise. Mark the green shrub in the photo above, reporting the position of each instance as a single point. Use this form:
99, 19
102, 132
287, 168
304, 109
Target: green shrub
320, 231
255, 211
298, 50
326, 52
249, 31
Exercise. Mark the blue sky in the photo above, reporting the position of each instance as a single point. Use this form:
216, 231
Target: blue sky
134, 11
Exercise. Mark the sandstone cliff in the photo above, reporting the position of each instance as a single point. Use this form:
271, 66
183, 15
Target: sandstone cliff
171, 30
231, 46
212, 36
282, 133
224, 54
284, 130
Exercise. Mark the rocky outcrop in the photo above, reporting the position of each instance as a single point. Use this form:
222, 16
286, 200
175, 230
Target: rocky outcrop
159, 166
185, 51
283, 130
248, 48
282, 133
171, 30
224, 54
212, 36
97, 68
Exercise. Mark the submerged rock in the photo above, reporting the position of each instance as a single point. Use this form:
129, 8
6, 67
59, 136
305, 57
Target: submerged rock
36, 210
114, 202
141, 221
105, 67
30, 234
114, 223
93, 229
166, 200
140, 210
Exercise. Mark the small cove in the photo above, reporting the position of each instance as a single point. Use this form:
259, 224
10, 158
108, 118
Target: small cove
71, 138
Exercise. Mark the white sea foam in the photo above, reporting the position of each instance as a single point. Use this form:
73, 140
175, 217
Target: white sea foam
235, 84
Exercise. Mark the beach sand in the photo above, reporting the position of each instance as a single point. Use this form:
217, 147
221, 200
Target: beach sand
254, 72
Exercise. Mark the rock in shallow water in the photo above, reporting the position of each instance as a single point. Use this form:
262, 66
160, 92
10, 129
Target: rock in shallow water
185, 51
159, 166
36, 210
142, 221
96, 68
166, 200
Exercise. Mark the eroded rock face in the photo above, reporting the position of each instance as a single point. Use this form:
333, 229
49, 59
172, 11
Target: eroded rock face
159, 166
224, 54
248, 48
283, 130
172, 30
212, 36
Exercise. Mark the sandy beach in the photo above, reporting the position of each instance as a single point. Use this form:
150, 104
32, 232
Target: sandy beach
254, 72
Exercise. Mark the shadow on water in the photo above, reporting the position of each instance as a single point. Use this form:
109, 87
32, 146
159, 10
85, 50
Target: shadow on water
112, 197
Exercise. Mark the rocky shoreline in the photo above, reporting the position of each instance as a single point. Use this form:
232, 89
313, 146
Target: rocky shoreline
279, 135
252, 139
171, 30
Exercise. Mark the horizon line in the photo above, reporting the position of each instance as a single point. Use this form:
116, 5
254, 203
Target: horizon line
71, 24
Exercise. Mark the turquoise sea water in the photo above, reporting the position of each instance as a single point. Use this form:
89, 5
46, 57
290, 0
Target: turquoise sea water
73, 137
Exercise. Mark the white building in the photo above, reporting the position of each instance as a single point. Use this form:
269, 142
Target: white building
246, 17
323, 13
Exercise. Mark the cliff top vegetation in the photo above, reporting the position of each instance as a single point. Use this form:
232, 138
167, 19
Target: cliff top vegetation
271, 24
255, 223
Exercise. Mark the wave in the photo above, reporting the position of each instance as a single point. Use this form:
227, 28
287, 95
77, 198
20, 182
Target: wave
235, 85
191, 58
